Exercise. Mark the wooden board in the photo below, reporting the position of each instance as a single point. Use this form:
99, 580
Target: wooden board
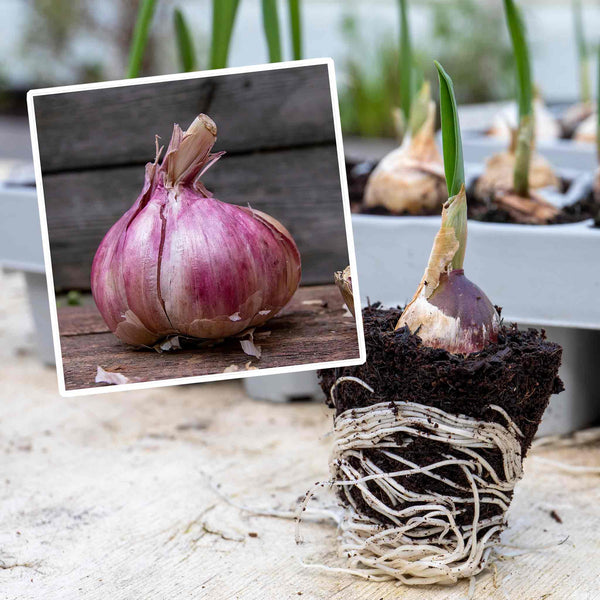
300, 187
311, 329
115, 496
116, 126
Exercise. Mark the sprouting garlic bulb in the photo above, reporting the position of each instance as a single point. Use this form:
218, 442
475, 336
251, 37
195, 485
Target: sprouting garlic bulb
410, 179
586, 132
448, 311
180, 262
499, 170
546, 126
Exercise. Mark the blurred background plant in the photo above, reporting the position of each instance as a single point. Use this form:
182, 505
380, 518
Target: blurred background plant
54, 42
460, 31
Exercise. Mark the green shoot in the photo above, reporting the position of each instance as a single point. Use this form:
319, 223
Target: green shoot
184, 42
406, 64
295, 28
451, 139
271, 27
585, 91
455, 210
223, 13
526, 130
140, 37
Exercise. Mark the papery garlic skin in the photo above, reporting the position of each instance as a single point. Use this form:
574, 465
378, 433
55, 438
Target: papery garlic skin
499, 174
180, 262
343, 280
457, 317
410, 179
574, 116
547, 127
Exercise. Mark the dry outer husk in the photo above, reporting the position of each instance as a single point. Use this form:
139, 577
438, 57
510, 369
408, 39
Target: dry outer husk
546, 126
496, 185
586, 131
410, 179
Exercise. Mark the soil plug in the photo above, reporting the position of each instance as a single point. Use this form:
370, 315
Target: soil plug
430, 433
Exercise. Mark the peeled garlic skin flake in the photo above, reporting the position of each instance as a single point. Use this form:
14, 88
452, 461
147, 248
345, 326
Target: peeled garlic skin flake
180, 262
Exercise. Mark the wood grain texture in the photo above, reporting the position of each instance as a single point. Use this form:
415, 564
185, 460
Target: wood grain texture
116, 126
300, 187
312, 328
115, 497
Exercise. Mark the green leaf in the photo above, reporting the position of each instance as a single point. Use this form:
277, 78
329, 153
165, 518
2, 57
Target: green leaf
184, 42
271, 27
140, 37
516, 27
582, 53
223, 20
295, 28
407, 79
451, 140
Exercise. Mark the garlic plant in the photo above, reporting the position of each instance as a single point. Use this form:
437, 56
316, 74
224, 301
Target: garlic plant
582, 110
449, 311
512, 179
410, 179
180, 262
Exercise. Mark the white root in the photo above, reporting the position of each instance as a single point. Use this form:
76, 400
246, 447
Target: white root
414, 537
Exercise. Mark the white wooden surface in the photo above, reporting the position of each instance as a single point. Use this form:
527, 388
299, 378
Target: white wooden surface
109, 496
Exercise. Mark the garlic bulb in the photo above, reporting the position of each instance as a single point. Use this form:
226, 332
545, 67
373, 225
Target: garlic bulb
546, 126
499, 174
448, 311
586, 132
410, 179
180, 262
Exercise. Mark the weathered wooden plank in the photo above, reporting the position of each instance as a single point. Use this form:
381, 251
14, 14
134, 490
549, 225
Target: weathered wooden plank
311, 329
116, 126
300, 187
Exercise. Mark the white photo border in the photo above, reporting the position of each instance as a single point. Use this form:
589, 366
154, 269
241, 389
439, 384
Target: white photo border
32, 94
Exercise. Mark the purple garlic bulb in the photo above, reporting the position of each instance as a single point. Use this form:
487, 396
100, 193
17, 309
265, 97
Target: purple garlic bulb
180, 262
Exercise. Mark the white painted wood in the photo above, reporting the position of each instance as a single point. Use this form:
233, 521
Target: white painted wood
109, 496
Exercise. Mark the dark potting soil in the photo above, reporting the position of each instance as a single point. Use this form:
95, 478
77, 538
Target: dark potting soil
519, 373
479, 209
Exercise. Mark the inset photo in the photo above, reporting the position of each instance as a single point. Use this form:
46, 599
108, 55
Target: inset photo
196, 227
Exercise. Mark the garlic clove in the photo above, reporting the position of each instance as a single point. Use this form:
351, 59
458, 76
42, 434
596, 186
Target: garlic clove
410, 179
546, 126
142, 264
